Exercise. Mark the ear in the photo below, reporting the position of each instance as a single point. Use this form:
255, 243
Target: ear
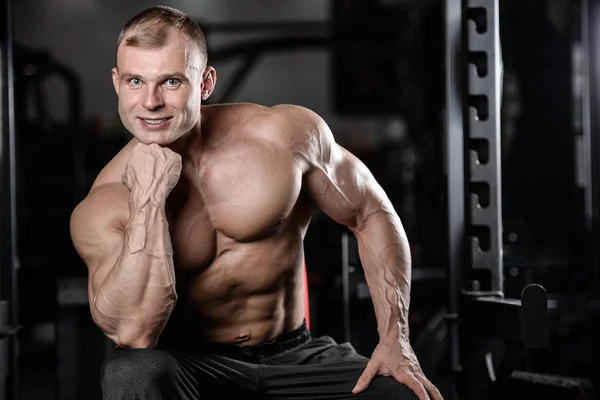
115, 79
209, 80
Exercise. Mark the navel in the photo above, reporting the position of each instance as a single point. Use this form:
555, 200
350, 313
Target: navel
243, 338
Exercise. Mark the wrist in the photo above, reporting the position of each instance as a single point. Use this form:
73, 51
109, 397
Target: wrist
394, 331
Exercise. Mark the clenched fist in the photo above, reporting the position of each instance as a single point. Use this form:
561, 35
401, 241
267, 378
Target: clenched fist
151, 173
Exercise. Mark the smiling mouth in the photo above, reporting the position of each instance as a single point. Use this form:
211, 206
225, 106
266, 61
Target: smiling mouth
154, 121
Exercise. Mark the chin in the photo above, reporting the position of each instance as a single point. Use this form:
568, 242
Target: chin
161, 140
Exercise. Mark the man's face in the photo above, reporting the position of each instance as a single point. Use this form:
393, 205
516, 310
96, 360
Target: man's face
160, 90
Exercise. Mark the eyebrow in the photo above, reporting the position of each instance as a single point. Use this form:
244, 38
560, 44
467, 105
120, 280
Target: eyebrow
163, 77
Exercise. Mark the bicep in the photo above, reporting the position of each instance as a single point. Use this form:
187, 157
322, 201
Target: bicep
97, 232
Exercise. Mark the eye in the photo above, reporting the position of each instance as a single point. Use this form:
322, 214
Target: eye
135, 82
172, 82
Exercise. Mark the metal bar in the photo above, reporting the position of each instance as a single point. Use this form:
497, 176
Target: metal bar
77, 138
12, 163
484, 90
346, 286
455, 169
8, 220
593, 51
586, 148
366, 48
234, 83
365, 25
249, 27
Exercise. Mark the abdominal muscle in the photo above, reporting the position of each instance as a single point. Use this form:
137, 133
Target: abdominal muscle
252, 320
247, 296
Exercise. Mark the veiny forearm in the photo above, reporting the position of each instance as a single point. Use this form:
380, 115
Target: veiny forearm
135, 301
385, 254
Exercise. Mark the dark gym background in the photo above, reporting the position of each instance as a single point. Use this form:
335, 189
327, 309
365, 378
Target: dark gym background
382, 93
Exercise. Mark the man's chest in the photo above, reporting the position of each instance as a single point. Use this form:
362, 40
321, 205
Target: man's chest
241, 192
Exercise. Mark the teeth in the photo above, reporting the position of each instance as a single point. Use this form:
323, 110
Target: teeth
154, 121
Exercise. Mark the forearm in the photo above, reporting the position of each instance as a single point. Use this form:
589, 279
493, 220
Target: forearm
135, 301
385, 254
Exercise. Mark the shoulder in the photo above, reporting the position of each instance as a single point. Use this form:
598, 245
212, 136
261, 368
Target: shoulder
299, 119
292, 128
295, 127
106, 204
287, 120
305, 132
102, 215
301, 124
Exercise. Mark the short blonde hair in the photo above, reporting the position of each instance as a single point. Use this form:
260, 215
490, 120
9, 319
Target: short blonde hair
153, 27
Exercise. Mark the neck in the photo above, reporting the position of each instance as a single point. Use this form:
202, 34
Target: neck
187, 145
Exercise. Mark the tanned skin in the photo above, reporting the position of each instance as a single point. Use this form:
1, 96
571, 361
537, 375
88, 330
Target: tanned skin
205, 215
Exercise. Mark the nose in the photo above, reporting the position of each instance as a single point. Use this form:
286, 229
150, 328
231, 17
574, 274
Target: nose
153, 100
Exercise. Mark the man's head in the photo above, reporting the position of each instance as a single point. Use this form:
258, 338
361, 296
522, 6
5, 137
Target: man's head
161, 75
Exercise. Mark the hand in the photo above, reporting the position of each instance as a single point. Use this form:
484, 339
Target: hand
397, 359
151, 173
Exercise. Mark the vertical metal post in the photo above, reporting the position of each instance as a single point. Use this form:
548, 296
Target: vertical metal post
484, 141
346, 286
586, 145
590, 12
8, 221
455, 168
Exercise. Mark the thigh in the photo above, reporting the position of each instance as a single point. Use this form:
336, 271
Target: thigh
146, 374
324, 369
327, 381
166, 374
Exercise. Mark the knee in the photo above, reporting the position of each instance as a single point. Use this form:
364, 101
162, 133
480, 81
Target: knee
130, 373
387, 388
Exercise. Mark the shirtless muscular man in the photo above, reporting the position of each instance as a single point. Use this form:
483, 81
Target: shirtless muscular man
193, 239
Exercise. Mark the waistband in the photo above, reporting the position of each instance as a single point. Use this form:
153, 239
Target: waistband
281, 343
284, 342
